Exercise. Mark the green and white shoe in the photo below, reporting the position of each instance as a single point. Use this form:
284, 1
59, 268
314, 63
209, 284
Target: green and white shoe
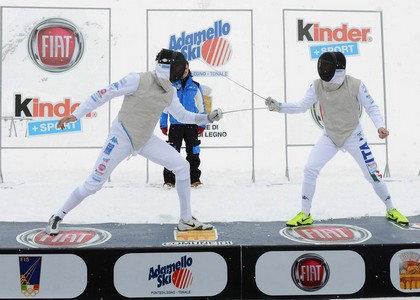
396, 216
299, 220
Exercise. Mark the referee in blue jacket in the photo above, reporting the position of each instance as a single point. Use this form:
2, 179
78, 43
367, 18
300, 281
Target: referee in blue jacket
191, 97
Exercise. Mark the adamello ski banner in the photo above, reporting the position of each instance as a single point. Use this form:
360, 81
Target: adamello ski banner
309, 33
53, 59
218, 46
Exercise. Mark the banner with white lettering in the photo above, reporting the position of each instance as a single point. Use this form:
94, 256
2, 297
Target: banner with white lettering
309, 33
218, 46
53, 59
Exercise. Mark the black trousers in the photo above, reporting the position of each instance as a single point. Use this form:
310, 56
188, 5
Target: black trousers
188, 133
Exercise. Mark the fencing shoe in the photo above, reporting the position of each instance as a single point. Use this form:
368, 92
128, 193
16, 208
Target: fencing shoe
193, 224
299, 220
168, 186
396, 216
53, 226
196, 184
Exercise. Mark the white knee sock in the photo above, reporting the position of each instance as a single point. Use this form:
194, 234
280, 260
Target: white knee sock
183, 189
381, 190
308, 191
75, 198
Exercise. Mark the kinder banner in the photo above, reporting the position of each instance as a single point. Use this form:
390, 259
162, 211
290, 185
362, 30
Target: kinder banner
309, 33
218, 46
52, 60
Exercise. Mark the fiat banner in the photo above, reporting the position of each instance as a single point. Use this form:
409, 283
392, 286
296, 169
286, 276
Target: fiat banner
287, 273
52, 60
218, 47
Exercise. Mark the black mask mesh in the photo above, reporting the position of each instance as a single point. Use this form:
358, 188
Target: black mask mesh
176, 60
327, 64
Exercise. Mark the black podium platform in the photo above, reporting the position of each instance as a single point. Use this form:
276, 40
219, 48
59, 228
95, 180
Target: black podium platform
331, 259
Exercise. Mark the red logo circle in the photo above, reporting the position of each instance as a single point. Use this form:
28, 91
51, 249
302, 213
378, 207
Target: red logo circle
310, 272
216, 52
182, 278
55, 45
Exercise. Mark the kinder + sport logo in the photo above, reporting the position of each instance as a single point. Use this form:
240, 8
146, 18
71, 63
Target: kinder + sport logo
176, 273
314, 32
34, 108
55, 45
208, 44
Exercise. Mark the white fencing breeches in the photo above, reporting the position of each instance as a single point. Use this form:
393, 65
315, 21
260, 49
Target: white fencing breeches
324, 150
117, 148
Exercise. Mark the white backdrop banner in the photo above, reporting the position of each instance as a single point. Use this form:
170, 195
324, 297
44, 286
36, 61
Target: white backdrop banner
218, 46
52, 60
309, 33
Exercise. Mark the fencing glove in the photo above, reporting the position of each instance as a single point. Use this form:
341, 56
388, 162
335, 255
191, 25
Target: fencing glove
215, 115
272, 104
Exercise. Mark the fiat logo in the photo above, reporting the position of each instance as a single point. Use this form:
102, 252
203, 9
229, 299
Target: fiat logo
310, 272
327, 234
69, 237
55, 45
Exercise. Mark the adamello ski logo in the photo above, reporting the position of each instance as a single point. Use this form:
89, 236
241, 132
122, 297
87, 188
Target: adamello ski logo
176, 273
314, 32
310, 272
326, 234
55, 45
209, 43
69, 237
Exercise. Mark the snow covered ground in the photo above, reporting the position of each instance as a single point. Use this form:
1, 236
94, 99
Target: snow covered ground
36, 182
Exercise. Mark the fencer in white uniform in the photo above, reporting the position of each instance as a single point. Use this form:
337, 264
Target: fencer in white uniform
339, 96
146, 96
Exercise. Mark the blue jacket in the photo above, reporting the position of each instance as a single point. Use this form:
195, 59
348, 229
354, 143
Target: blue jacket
186, 94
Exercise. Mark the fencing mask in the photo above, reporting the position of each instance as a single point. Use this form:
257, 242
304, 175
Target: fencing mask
176, 61
327, 64
341, 60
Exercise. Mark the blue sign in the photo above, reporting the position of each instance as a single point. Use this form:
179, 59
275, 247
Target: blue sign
30, 274
347, 49
36, 128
